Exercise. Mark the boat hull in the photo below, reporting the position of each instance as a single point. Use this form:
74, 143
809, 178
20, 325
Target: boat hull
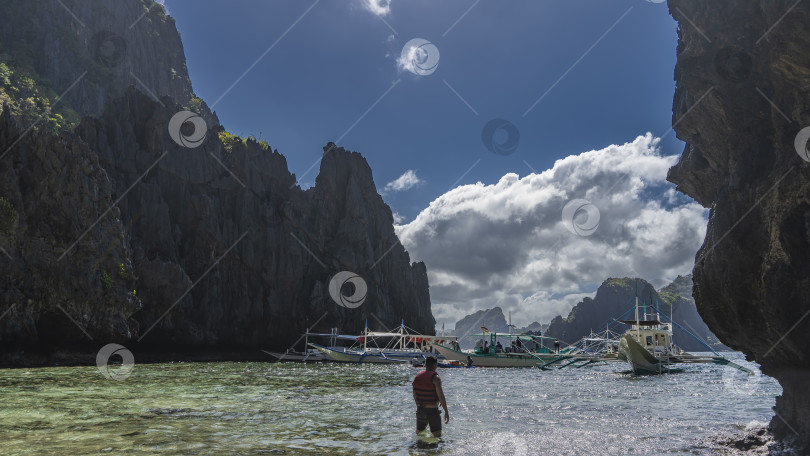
381, 357
500, 359
641, 361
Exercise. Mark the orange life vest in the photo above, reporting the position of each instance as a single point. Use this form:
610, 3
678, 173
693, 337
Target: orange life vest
423, 387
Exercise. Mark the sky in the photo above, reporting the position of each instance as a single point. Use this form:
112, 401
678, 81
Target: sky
481, 121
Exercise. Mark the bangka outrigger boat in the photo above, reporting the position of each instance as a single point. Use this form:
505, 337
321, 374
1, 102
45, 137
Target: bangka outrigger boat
647, 346
311, 355
531, 353
399, 347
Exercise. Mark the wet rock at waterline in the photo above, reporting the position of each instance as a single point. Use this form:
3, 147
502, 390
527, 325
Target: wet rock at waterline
740, 102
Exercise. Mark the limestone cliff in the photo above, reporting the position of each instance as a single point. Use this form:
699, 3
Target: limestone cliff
743, 75
113, 231
233, 253
89, 52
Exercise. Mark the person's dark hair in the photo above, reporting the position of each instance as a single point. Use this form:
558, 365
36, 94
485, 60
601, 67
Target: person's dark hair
431, 361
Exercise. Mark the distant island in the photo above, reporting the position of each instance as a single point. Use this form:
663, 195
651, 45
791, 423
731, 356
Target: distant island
614, 297
494, 320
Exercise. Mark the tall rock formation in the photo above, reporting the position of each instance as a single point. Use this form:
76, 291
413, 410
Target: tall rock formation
115, 232
743, 75
90, 51
121, 228
493, 319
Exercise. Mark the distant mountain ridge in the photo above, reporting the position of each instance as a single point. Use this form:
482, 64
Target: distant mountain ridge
616, 295
494, 320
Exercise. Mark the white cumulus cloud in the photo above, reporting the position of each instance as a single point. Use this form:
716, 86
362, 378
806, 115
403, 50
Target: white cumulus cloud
410, 55
506, 244
404, 182
378, 7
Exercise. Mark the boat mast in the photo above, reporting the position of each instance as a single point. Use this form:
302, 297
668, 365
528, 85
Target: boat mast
638, 333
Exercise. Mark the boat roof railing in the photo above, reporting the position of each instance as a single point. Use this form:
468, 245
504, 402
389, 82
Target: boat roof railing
409, 336
641, 322
512, 336
337, 336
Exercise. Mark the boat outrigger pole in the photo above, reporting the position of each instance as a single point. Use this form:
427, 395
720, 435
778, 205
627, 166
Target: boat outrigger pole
717, 359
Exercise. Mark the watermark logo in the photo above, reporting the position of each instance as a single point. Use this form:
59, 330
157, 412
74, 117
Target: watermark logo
508, 444
580, 217
188, 129
801, 143
348, 289
500, 137
103, 362
420, 57
733, 64
741, 383
108, 48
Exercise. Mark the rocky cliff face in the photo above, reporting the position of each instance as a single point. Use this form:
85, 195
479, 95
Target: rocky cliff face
207, 247
114, 44
742, 75
616, 296
52, 188
117, 232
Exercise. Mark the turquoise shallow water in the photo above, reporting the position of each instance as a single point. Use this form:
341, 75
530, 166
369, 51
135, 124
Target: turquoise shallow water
258, 408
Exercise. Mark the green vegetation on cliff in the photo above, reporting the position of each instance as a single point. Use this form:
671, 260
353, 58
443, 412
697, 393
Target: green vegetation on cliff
88, 52
31, 100
230, 140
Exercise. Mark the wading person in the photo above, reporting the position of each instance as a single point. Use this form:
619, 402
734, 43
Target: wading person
428, 394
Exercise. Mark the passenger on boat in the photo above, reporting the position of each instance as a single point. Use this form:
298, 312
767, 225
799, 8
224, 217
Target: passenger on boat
518, 346
428, 394
469, 361
498, 347
556, 346
486, 347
